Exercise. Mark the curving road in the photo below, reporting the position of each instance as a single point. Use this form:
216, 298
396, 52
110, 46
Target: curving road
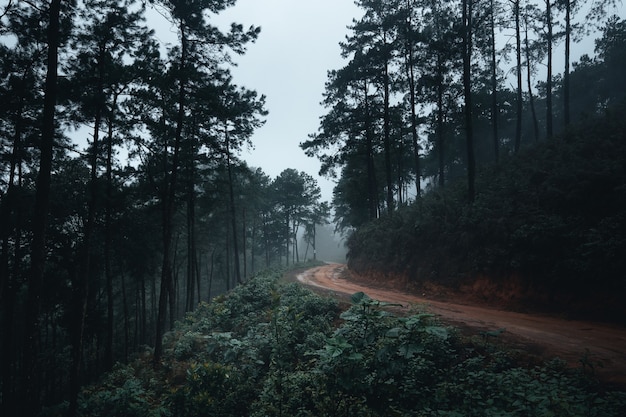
545, 335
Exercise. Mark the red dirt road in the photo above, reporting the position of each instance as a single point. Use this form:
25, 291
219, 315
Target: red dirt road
545, 335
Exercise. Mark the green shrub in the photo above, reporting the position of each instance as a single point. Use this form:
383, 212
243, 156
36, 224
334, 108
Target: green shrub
297, 356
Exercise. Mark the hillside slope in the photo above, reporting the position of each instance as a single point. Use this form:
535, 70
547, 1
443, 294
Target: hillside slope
274, 349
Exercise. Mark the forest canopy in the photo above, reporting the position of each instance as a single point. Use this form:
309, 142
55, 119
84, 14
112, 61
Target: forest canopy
434, 91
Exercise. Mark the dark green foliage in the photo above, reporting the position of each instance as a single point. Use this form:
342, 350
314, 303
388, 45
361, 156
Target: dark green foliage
554, 215
125, 391
289, 353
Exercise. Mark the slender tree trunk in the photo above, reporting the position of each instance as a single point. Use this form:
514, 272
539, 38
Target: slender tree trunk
144, 309
253, 245
126, 319
399, 170
108, 239
566, 73
518, 54
191, 242
387, 136
210, 283
8, 312
411, 76
227, 262
266, 240
371, 172
518, 70
440, 124
314, 238
467, 90
440, 91
31, 371
192, 264
549, 121
82, 285
169, 196
198, 263
295, 256
243, 240
531, 96
173, 288
233, 211
10, 204
287, 238
494, 86
137, 335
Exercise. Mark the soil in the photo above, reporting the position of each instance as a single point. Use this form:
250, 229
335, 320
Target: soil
546, 336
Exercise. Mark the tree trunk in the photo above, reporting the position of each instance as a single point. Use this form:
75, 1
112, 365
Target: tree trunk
518, 54
440, 124
566, 73
253, 245
233, 211
549, 122
192, 264
314, 237
531, 97
169, 196
191, 242
387, 136
467, 90
10, 204
108, 239
494, 85
243, 240
31, 371
440, 110
81, 287
371, 172
412, 95
126, 319
210, 283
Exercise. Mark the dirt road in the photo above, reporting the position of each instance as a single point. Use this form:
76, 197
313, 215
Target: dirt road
546, 336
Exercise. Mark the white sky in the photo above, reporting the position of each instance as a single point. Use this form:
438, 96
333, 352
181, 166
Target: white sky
298, 44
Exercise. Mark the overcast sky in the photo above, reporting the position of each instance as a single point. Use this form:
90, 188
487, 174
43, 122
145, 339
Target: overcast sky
298, 44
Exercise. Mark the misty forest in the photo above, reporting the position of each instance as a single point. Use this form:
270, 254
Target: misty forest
146, 269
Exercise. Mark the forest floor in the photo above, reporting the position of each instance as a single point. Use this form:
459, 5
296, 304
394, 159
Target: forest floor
601, 345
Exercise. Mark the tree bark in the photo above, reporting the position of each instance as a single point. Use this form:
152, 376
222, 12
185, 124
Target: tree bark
411, 76
31, 371
531, 96
108, 238
549, 121
9, 204
387, 137
518, 54
440, 92
566, 73
233, 211
494, 85
467, 90
371, 171
243, 240
169, 195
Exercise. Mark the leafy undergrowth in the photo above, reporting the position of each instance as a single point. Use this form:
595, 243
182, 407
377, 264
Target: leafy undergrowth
271, 348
